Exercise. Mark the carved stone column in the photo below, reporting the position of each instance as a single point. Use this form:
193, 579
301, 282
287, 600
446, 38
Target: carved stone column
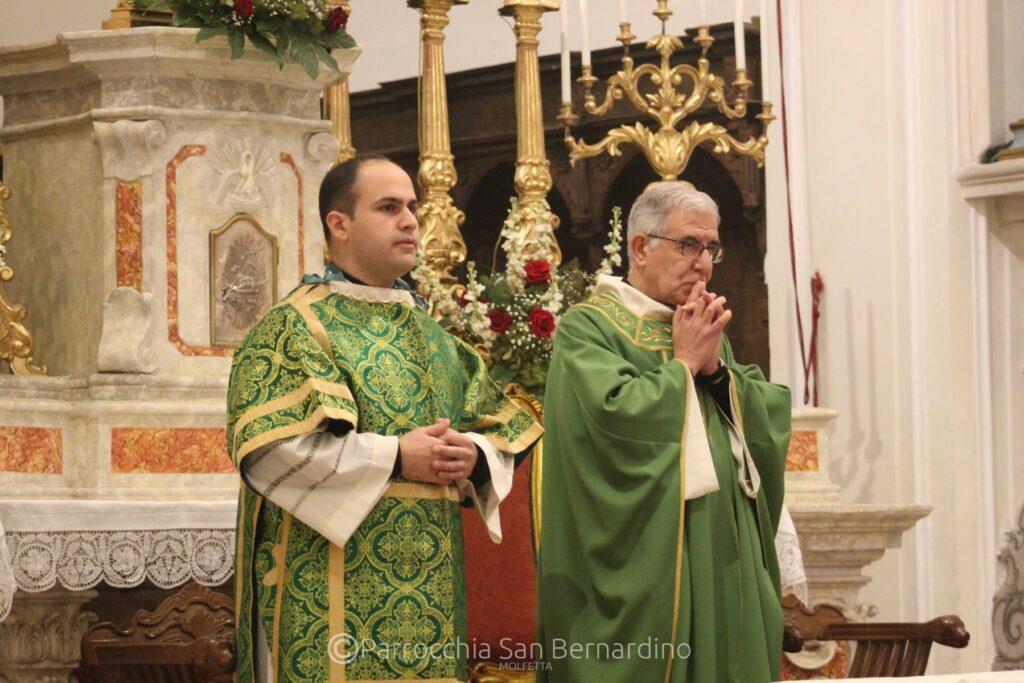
1008, 603
440, 220
533, 175
40, 641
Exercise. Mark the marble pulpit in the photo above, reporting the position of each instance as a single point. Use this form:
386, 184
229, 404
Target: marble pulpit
163, 197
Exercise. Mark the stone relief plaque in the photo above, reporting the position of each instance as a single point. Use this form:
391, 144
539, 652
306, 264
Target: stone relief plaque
243, 278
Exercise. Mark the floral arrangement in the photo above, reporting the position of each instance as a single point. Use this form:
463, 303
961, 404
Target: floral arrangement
302, 30
511, 316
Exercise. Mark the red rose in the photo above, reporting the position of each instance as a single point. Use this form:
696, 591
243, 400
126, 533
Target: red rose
541, 322
538, 272
244, 8
336, 19
501, 321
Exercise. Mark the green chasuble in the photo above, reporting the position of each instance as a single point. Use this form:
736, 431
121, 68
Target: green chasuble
388, 604
633, 586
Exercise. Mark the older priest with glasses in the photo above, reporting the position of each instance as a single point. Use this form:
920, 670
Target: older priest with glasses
663, 473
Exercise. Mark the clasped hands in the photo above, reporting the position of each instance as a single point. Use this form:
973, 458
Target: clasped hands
437, 454
697, 329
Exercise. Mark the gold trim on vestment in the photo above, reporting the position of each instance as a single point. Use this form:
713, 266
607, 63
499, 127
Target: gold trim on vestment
507, 411
275, 638
734, 395
401, 489
241, 560
633, 337
292, 398
336, 612
304, 306
501, 443
682, 519
294, 429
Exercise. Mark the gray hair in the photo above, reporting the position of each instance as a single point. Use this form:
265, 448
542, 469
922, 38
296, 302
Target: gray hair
651, 209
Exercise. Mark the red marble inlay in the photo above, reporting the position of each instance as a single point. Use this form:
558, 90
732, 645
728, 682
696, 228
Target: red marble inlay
173, 335
135, 450
128, 200
803, 451
287, 159
31, 450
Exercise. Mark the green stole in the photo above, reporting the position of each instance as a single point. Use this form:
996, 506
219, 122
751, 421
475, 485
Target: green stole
390, 604
645, 587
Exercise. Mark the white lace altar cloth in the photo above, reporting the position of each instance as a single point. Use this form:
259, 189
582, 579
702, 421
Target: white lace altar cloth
791, 560
81, 543
122, 543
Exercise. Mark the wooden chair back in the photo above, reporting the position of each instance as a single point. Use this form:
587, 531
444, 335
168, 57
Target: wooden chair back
882, 649
189, 638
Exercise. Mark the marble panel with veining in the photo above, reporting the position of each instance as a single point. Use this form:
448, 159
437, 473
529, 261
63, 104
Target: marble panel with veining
42, 105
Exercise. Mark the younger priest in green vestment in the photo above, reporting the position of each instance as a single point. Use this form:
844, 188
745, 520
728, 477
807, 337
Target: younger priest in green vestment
662, 473
358, 425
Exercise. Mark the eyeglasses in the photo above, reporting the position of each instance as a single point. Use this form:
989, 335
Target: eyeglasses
691, 247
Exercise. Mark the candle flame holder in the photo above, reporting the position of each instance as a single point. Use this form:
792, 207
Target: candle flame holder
668, 149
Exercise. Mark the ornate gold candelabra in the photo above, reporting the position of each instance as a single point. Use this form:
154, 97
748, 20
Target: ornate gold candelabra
337, 107
533, 174
441, 240
124, 15
668, 150
16, 341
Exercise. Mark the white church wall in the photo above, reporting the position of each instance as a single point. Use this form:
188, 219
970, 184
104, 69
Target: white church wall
888, 99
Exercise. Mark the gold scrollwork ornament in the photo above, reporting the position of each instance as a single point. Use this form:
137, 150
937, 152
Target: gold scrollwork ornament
668, 149
16, 341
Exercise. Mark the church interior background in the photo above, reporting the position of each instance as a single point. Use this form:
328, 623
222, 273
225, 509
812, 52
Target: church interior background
884, 180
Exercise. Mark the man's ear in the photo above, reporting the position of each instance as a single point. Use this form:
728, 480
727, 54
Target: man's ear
638, 247
338, 223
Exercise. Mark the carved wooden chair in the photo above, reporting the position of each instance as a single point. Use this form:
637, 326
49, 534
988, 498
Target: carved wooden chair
882, 649
189, 638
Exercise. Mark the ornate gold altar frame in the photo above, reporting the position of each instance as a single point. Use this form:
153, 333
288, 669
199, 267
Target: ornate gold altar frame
16, 341
244, 282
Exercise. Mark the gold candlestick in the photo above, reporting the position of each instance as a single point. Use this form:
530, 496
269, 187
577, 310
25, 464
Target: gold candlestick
533, 173
440, 220
667, 149
16, 341
337, 107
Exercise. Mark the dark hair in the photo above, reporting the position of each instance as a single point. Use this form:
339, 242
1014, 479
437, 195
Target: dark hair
337, 191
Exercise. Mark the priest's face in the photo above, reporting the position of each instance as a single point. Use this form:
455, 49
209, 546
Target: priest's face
379, 241
660, 268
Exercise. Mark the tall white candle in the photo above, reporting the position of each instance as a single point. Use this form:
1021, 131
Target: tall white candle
741, 47
563, 16
703, 12
585, 24
623, 17
767, 51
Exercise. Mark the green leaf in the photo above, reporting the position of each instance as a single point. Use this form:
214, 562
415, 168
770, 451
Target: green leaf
262, 43
236, 39
325, 57
303, 54
343, 40
284, 39
207, 32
